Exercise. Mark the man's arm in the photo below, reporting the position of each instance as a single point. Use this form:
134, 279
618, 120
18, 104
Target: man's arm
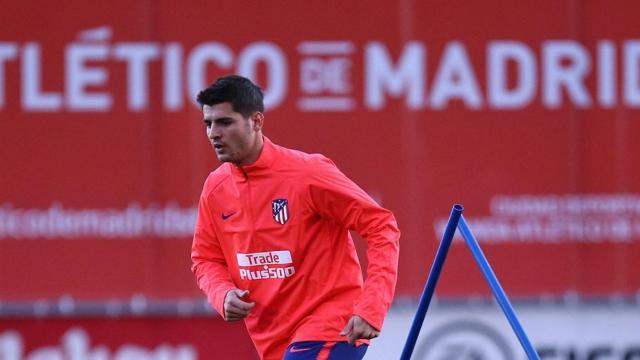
337, 197
209, 264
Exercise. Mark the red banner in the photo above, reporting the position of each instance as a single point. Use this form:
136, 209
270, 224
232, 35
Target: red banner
124, 338
524, 112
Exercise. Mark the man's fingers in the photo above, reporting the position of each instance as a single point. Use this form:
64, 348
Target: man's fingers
237, 302
239, 307
348, 328
233, 313
362, 334
234, 307
243, 305
360, 331
230, 317
234, 298
236, 310
351, 339
358, 328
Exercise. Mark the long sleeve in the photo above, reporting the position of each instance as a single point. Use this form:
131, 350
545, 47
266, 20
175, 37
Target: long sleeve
336, 197
209, 265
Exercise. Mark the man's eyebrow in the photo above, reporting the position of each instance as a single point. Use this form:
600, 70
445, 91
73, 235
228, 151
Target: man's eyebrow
218, 119
223, 118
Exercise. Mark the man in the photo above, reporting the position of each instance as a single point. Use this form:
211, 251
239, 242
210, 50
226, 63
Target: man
271, 243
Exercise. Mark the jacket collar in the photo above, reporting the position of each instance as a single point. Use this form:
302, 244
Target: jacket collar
266, 158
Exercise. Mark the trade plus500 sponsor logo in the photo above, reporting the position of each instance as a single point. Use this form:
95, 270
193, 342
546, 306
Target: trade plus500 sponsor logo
269, 264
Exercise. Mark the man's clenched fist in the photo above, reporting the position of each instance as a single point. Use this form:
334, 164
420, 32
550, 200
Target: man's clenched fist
234, 307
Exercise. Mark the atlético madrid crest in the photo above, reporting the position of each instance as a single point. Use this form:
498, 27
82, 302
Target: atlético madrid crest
280, 211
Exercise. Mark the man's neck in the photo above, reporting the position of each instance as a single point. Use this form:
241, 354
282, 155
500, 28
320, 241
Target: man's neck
255, 152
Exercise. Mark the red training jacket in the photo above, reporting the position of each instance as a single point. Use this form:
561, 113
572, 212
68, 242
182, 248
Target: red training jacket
279, 228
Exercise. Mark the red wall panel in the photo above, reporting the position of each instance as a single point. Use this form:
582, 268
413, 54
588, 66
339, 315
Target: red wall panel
118, 338
102, 153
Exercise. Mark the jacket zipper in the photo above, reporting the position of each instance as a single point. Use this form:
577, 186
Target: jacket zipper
250, 210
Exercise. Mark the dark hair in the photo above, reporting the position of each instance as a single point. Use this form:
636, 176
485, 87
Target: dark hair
245, 97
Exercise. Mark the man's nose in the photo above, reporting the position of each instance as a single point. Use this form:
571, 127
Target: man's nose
214, 132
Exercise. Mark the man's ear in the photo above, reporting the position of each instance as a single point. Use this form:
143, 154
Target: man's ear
258, 120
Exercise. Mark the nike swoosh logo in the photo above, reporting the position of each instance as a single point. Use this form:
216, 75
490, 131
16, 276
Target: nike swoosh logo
226, 216
298, 349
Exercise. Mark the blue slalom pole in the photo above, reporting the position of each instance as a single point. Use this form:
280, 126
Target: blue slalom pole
432, 280
498, 292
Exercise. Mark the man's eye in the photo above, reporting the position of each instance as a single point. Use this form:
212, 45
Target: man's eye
207, 124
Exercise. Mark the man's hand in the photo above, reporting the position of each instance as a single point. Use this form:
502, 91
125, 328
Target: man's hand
234, 308
358, 328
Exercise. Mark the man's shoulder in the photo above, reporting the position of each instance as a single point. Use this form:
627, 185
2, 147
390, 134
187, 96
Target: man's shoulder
300, 158
217, 177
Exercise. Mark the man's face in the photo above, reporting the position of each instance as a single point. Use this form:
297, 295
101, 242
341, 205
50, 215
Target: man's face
234, 138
